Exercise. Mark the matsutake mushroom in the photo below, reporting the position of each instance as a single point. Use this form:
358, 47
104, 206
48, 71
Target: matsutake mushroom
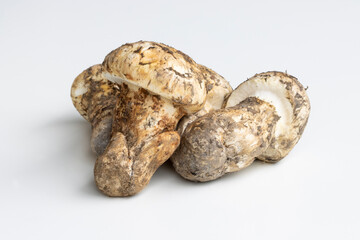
158, 85
225, 140
263, 118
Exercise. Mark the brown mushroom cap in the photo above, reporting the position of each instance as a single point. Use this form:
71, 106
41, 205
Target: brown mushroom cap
292, 104
159, 69
225, 140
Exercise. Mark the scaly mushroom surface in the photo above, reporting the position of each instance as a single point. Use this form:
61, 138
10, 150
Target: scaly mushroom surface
217, 88
158, 85
291, 102
95, 98
225, 140
135, 99
263, 118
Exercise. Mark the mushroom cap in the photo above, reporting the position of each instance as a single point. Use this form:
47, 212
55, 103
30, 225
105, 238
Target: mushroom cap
292, 104
225, 140
91, 90
217, 90
160, 69
217, 87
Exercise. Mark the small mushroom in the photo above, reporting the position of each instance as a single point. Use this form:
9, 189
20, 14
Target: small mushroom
291, 102
158, 85
225, 140
95, 97
263, 118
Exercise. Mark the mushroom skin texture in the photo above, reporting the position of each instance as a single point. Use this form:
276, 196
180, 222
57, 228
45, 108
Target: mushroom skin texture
143, 139
158, 85
225, 140
218, 89
95, 98
160, 69
292, 104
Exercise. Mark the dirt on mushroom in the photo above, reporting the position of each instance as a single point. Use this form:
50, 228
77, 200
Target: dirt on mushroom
148, 102
225, 140
157, 85
95, 97
209, 149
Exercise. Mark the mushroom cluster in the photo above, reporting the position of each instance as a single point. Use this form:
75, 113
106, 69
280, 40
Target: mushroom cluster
148, 102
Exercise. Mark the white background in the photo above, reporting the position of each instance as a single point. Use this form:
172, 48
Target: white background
46, 180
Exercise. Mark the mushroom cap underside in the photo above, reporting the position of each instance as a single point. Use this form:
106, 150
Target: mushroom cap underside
292, 104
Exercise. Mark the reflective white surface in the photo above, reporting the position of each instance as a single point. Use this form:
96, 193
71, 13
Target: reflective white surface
46, 180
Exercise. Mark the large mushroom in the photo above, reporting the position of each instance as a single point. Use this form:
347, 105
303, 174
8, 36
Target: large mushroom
95, 98
263, 118
158, 85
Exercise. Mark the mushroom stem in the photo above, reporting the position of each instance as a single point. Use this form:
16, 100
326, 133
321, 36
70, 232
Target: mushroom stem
101, 134
143, 138
100, 114
140, 115
225, 140
118, 172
